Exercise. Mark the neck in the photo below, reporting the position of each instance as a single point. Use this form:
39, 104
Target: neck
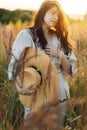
45, 29
47, 35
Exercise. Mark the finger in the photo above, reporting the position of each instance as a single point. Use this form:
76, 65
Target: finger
31, 86
47, 48
29, 91
25, 91
47, 52
47, 45
18, 87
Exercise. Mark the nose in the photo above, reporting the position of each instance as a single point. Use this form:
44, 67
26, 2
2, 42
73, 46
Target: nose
56, 17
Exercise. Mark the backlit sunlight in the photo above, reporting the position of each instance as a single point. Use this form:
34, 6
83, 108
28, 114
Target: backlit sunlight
69, 6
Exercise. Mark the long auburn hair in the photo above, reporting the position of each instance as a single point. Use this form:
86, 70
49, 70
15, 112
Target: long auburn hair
61, 29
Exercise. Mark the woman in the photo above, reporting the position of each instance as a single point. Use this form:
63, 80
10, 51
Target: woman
50, 35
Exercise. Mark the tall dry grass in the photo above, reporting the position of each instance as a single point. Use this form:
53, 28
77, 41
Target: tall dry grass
11, 110
77, 114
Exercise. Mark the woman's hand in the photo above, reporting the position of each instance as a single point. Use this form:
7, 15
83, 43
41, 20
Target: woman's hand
63, 61
51, 50
28, 90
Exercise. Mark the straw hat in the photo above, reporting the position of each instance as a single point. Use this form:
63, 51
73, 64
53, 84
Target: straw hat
40, 70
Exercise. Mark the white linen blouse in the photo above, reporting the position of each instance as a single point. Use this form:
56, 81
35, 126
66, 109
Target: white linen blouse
24, 40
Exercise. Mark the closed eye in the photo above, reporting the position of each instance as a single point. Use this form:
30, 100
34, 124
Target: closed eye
53, 13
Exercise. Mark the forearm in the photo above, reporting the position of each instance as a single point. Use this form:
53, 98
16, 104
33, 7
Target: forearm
64, 62
11, 68
65, 65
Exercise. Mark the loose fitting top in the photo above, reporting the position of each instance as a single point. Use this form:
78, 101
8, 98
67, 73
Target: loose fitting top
24, 40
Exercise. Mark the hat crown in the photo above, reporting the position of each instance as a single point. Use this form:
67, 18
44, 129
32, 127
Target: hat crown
30, 76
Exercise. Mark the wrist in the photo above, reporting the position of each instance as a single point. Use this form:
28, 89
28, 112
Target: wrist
60, 56
59, 53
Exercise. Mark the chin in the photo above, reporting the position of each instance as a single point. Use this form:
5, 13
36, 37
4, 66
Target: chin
52, 25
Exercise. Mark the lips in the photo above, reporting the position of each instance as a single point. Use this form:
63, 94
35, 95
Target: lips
54, 22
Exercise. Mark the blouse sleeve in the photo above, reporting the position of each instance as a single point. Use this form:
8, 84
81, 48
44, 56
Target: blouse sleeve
22, 41
72, 59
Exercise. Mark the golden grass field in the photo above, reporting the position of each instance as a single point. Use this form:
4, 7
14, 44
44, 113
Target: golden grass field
11, 111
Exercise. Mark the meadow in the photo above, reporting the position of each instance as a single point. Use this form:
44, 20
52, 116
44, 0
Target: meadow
11, 110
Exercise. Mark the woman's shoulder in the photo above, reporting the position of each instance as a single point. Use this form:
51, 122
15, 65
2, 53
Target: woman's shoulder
23, 38
24, 32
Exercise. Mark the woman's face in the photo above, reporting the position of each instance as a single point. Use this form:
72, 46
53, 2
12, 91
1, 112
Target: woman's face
51, 17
